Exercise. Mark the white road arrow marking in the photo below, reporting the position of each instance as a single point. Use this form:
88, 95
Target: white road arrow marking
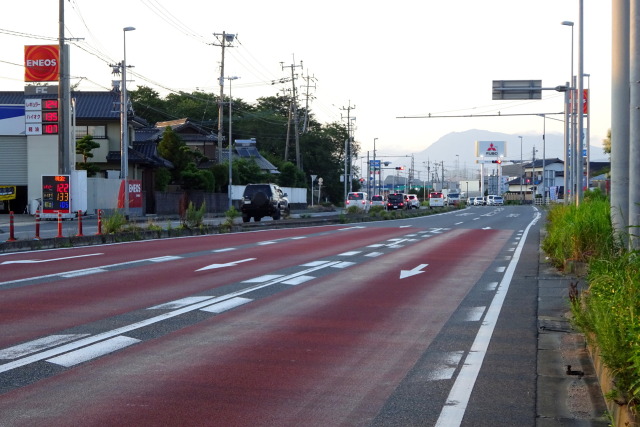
35, 261
412, 272
228, 264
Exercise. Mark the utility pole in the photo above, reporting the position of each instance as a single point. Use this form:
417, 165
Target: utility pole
347, 151
307, 86
63, 98
224, 40
294, 109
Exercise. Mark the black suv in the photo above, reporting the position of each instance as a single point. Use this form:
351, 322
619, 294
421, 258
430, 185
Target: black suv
396, 201
260, 200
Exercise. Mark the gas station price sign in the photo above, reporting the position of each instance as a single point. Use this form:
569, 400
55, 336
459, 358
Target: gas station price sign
56, 194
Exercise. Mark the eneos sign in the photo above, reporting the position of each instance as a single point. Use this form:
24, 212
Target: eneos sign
41, 63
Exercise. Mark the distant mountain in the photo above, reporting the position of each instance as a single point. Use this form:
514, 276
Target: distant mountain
458, 151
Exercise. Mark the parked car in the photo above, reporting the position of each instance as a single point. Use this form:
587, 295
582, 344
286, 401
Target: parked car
479, 201
493, 200
396, 201
260, 200
413, 202
358, 199
377, 200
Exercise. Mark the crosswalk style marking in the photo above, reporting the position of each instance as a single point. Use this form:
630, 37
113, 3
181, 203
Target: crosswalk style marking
374, 254
298, 280
35, 346
84, 272
265, 278
350, 253
91, 352
183, 302
446, 366
164, 258
474, 314
226, 305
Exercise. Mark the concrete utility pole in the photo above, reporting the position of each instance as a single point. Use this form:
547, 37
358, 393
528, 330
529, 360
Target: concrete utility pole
224, 40
347, 152
620, 103
63, 98
308, 96
294, 109
634, 125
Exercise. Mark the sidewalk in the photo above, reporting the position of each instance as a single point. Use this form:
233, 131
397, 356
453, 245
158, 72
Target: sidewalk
565, 396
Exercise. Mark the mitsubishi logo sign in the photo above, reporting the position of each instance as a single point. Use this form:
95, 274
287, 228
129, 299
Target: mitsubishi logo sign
491, 149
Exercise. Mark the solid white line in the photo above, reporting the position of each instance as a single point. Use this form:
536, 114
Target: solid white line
458, 399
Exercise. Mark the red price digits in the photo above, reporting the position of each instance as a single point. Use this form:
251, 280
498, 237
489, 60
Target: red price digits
62, 188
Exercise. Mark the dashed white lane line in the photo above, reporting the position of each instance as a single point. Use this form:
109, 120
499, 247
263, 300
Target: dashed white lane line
91, 352
501, 269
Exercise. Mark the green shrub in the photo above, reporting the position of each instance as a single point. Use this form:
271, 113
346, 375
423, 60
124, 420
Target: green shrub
194, 218
114, 223
609, 312
579, 233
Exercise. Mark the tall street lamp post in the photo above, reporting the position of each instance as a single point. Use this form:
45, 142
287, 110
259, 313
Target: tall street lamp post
230, 145
124, 126
570, 131
375, 168
521, 173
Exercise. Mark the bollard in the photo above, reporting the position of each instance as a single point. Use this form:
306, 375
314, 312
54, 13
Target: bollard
99, 222
59, 226
12, 237
79, 224
37, 225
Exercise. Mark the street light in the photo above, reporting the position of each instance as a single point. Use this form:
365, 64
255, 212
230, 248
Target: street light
375, 169
230, 145
124, 143
570, 145
521, 173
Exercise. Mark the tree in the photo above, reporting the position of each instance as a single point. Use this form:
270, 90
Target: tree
172, 148
606, 143
193, 178
84, 147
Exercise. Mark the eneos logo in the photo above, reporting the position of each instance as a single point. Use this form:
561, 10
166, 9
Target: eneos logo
41, 63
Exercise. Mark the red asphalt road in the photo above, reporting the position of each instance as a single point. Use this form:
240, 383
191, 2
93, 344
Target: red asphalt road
32, 311
328, 352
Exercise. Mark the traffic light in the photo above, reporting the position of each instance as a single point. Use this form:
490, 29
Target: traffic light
496, 161
399, 168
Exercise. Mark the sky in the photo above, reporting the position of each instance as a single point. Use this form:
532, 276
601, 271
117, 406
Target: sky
377, 62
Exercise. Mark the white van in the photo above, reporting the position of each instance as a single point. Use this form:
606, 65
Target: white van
436, 199
493, 200
358, 199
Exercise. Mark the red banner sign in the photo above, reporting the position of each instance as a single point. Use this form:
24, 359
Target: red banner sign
41, 63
